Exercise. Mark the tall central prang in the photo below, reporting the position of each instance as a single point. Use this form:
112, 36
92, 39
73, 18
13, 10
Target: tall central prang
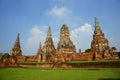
65, 45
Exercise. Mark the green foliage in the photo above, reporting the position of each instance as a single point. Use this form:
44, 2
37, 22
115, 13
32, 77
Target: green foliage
5, 55
113, 48
1, 53
118, 54
59, 74
88, 50
27, 56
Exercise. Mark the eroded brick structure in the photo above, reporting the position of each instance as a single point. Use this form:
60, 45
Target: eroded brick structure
16, 50
48, 46
65, 45
44, 53
40, 54
66, 50
100, 45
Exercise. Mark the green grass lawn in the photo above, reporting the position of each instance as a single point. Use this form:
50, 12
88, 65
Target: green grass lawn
59, 74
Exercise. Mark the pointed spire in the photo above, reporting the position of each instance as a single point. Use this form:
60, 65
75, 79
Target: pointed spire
17, 42
16, 50
39, 49
96, 22
48, 45
97, 27
49, 37
49, 32
64, 30
40, 46
99, 44
64, 26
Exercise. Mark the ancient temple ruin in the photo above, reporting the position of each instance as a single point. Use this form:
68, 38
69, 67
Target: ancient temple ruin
100, 45
16, 50
40, 54
48, 46
65, 45
66, 51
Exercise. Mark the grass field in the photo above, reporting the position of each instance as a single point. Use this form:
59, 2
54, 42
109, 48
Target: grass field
59, 74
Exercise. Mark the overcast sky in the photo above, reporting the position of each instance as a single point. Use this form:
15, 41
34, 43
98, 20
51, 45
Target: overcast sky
31, 18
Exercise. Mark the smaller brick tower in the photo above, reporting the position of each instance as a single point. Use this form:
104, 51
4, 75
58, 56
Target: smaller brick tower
99, 45
41, 55
48, 45
16, 50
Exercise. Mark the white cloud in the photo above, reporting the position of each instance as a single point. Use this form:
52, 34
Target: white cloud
86, 28
55, 11
82, 36
37, 35
35, 31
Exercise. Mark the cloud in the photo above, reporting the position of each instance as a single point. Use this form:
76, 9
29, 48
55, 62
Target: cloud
82, 36
85, 28
35, 31
37, 35
55, 11
60, 15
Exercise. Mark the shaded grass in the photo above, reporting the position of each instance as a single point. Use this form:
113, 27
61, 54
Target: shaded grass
93, 61
33, 63
58, 74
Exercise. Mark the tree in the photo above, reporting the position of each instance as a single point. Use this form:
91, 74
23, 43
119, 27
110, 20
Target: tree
1, 53
0, 57
114, 48
88, 50
118, 54
6, 55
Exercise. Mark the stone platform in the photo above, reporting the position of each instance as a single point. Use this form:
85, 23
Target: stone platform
115, 64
